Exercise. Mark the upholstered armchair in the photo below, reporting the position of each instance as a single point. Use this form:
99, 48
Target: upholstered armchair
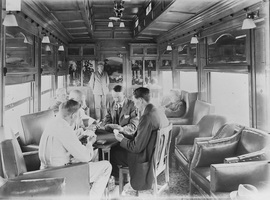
33, 126
189, 99
206, 128
248, 144
13, 167
225, 178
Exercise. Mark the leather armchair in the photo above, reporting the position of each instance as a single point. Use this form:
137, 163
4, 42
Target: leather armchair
201, 108
206, 128
32, 188
13, 167
247, 144
33, 126
190, 99
225, 178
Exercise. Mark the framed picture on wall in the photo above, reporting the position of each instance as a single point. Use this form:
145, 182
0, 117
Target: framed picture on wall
150, 71
88, 67
166, 63
114, 67
74, 70
137, 72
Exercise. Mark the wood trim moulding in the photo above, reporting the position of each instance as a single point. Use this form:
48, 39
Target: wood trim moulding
20, 69
218, 11
40, 14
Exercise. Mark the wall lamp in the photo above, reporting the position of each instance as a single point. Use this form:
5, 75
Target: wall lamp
194, 39
10, 20
61, 48
169, 47
249, 23
46, 39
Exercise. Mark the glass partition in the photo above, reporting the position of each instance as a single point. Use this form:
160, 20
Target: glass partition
187, 54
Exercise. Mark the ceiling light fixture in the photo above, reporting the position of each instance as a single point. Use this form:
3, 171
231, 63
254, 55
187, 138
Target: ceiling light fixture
61, 48
169, 47
122, 25
47, 48
194, 39
110, 24
46, 39
10, 20
249, 23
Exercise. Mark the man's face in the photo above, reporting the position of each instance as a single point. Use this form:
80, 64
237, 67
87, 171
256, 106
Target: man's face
74, 117
100, 68
138, 103
118, 97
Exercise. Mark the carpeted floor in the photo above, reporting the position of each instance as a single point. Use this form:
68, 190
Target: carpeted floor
178, 188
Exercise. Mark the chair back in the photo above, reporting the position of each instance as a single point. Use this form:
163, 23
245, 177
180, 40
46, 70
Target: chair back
33, 126
161, 154
201, 109
190, 99
12, 160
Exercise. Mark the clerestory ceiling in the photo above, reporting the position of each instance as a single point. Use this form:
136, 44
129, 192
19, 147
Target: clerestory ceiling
85, 21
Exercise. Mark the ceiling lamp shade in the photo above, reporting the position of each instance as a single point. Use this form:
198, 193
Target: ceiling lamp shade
10, 20
122, 25
169, 47
61, 48
46, 39
194, 40
110, 24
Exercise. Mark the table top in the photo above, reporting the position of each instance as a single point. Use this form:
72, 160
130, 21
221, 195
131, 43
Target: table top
108, 138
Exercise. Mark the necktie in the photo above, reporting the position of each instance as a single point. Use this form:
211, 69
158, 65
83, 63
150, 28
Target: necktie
118, 112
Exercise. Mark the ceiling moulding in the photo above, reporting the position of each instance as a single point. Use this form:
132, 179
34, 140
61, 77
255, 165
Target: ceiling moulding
218, 11
38, 12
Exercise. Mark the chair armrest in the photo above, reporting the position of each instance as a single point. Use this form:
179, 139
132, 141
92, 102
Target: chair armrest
32, 161
187, 134
254, 156
202, 139
227, 177
77, 177
32, 188
180, 121
214, 151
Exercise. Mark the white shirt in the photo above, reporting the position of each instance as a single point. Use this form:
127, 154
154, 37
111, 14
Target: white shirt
59, 144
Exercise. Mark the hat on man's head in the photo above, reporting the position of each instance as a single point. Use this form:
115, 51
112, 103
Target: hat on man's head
244, 192
100, 63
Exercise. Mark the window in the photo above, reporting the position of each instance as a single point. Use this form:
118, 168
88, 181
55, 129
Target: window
167, 84
189, 81
60, 81
229, 95
17, 104
46, 92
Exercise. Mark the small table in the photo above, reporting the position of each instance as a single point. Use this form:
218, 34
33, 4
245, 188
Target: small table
110, 142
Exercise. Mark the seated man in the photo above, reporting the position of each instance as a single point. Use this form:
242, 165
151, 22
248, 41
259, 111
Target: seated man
121, 114
61, 96
176, 107
78, 96
59, 146
138, 151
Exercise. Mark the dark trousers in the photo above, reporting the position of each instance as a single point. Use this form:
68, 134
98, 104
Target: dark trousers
119, 156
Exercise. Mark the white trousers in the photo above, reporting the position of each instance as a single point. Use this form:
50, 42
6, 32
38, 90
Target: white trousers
99, 175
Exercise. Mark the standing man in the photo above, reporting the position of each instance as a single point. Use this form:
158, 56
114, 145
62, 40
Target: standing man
140, 149
99, 83
121, 113
59, 146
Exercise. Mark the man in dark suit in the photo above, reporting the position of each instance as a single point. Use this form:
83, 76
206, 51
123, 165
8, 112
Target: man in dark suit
121, 114
140, 149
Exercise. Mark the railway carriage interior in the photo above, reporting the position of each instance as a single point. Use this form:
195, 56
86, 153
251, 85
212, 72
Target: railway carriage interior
213, 53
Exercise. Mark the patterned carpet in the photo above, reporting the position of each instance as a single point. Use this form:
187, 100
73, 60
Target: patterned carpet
177, 190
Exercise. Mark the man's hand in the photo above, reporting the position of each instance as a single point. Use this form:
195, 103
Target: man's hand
92, 139
118, 136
